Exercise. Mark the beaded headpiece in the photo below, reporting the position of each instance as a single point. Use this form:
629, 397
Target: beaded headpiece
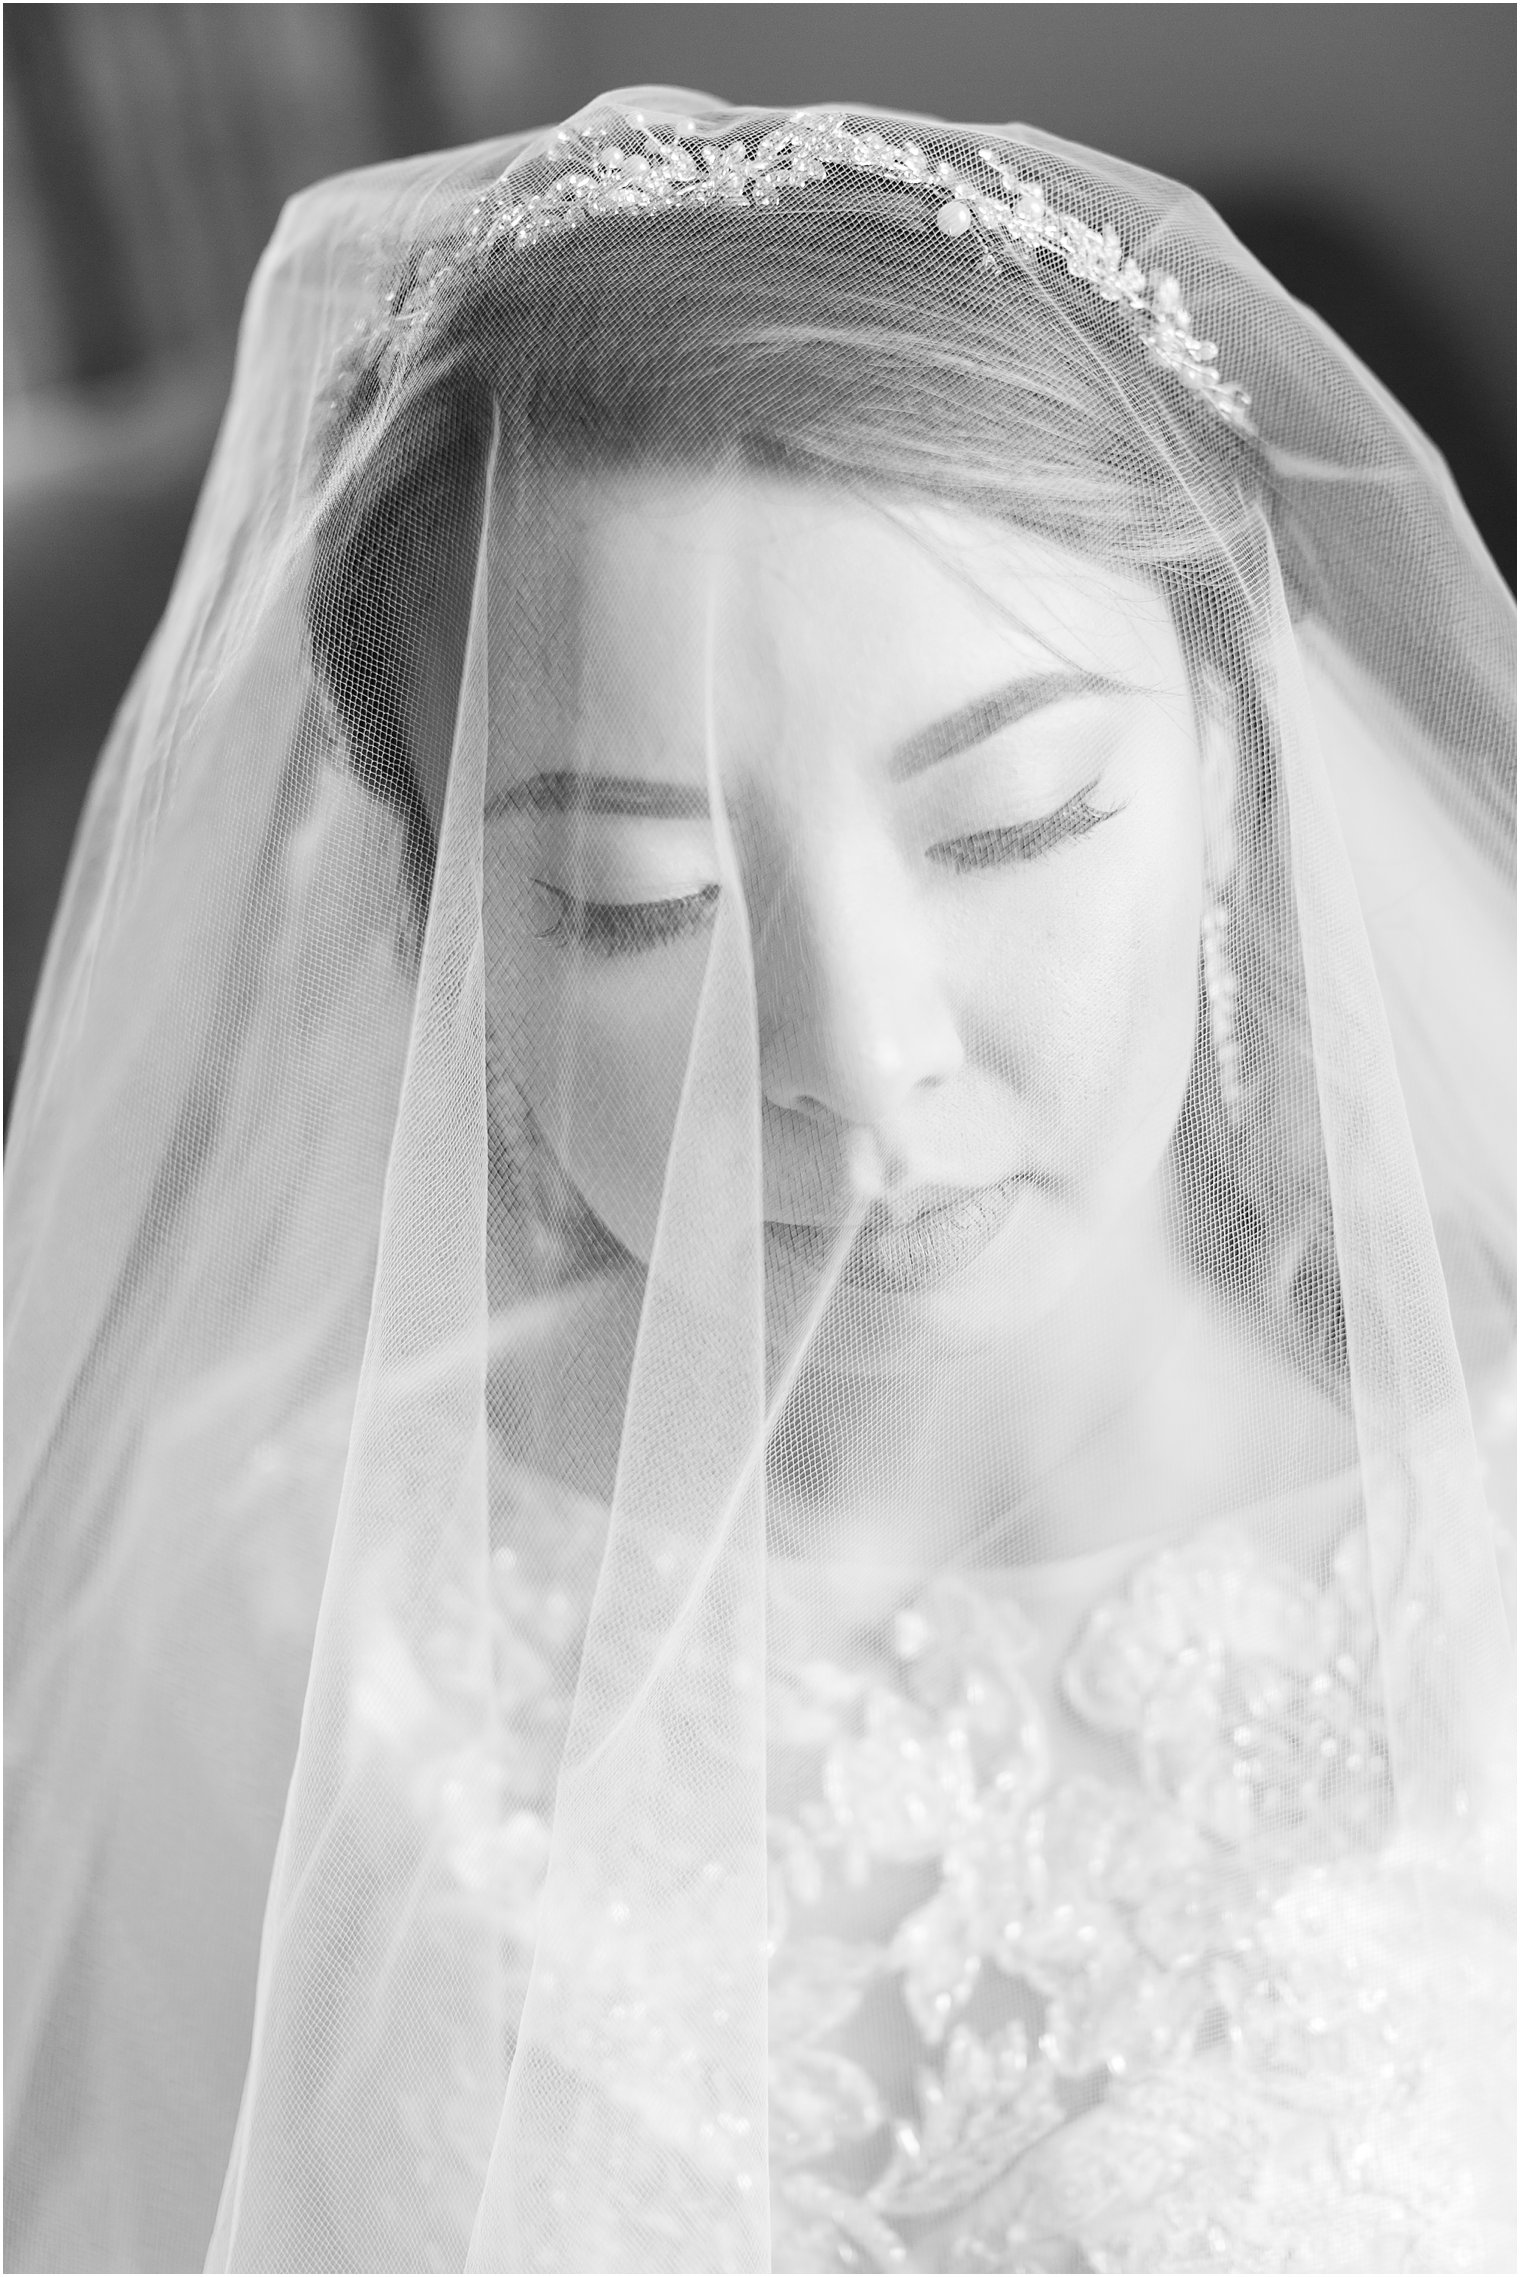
1005, 218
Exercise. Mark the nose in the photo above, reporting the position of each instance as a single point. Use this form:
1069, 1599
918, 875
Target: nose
854, 1017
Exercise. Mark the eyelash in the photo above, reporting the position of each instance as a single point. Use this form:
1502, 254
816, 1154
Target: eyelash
630, 929
627, 929
1022, 841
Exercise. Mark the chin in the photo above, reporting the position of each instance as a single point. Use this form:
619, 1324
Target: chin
1018, 1281
869, 1325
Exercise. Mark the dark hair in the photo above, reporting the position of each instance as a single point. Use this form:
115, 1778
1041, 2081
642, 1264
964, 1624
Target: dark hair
840, 339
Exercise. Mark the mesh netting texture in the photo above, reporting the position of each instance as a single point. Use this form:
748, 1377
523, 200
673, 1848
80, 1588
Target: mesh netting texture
760, 1266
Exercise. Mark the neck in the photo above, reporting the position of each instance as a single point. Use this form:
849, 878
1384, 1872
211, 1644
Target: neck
986, 1428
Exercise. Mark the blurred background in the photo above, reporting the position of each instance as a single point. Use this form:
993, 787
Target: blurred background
1366, 153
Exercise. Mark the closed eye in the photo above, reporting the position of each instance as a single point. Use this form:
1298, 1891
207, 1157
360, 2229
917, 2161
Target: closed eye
1021, 841
626, 928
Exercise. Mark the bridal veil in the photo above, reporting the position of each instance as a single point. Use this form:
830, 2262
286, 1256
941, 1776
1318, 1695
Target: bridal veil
760, 1260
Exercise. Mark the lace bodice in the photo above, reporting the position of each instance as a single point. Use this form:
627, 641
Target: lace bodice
1137, 2030
1100, 1958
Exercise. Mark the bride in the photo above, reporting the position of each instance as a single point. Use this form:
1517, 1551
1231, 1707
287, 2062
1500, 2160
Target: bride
761, 1259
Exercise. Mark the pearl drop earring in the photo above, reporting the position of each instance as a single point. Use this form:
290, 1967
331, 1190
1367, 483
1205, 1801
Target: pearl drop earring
1221, 989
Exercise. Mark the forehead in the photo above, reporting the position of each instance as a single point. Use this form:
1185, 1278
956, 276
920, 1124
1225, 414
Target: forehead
640, 604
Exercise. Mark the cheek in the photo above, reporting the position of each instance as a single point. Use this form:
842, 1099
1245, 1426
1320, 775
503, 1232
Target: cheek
1087, 1003
1152, 1041
600, 1051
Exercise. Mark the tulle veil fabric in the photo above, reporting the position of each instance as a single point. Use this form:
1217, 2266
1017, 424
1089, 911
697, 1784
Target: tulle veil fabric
397, 1614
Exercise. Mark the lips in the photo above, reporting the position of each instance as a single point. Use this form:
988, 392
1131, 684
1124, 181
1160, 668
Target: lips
928, 1237
936, 1237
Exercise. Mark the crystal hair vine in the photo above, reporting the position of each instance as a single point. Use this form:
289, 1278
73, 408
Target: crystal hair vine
1004, 216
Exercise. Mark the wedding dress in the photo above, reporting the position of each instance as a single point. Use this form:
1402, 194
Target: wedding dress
759, 1320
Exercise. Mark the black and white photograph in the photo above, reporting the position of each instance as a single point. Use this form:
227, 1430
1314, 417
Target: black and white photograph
760, 1049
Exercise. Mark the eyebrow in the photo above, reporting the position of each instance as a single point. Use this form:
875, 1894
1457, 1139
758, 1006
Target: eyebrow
566, 792
988, 715
571, 791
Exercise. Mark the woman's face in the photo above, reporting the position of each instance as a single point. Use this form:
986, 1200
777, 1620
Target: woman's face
960, 774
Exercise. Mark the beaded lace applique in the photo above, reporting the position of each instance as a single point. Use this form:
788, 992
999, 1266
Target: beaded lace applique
1148, 2034
1181, 2017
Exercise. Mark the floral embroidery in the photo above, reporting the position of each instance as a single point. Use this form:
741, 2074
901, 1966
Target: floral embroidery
1245, 1692
1024, 2019
1149, 2030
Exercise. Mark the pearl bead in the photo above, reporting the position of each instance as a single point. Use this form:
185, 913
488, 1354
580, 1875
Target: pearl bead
954, 219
